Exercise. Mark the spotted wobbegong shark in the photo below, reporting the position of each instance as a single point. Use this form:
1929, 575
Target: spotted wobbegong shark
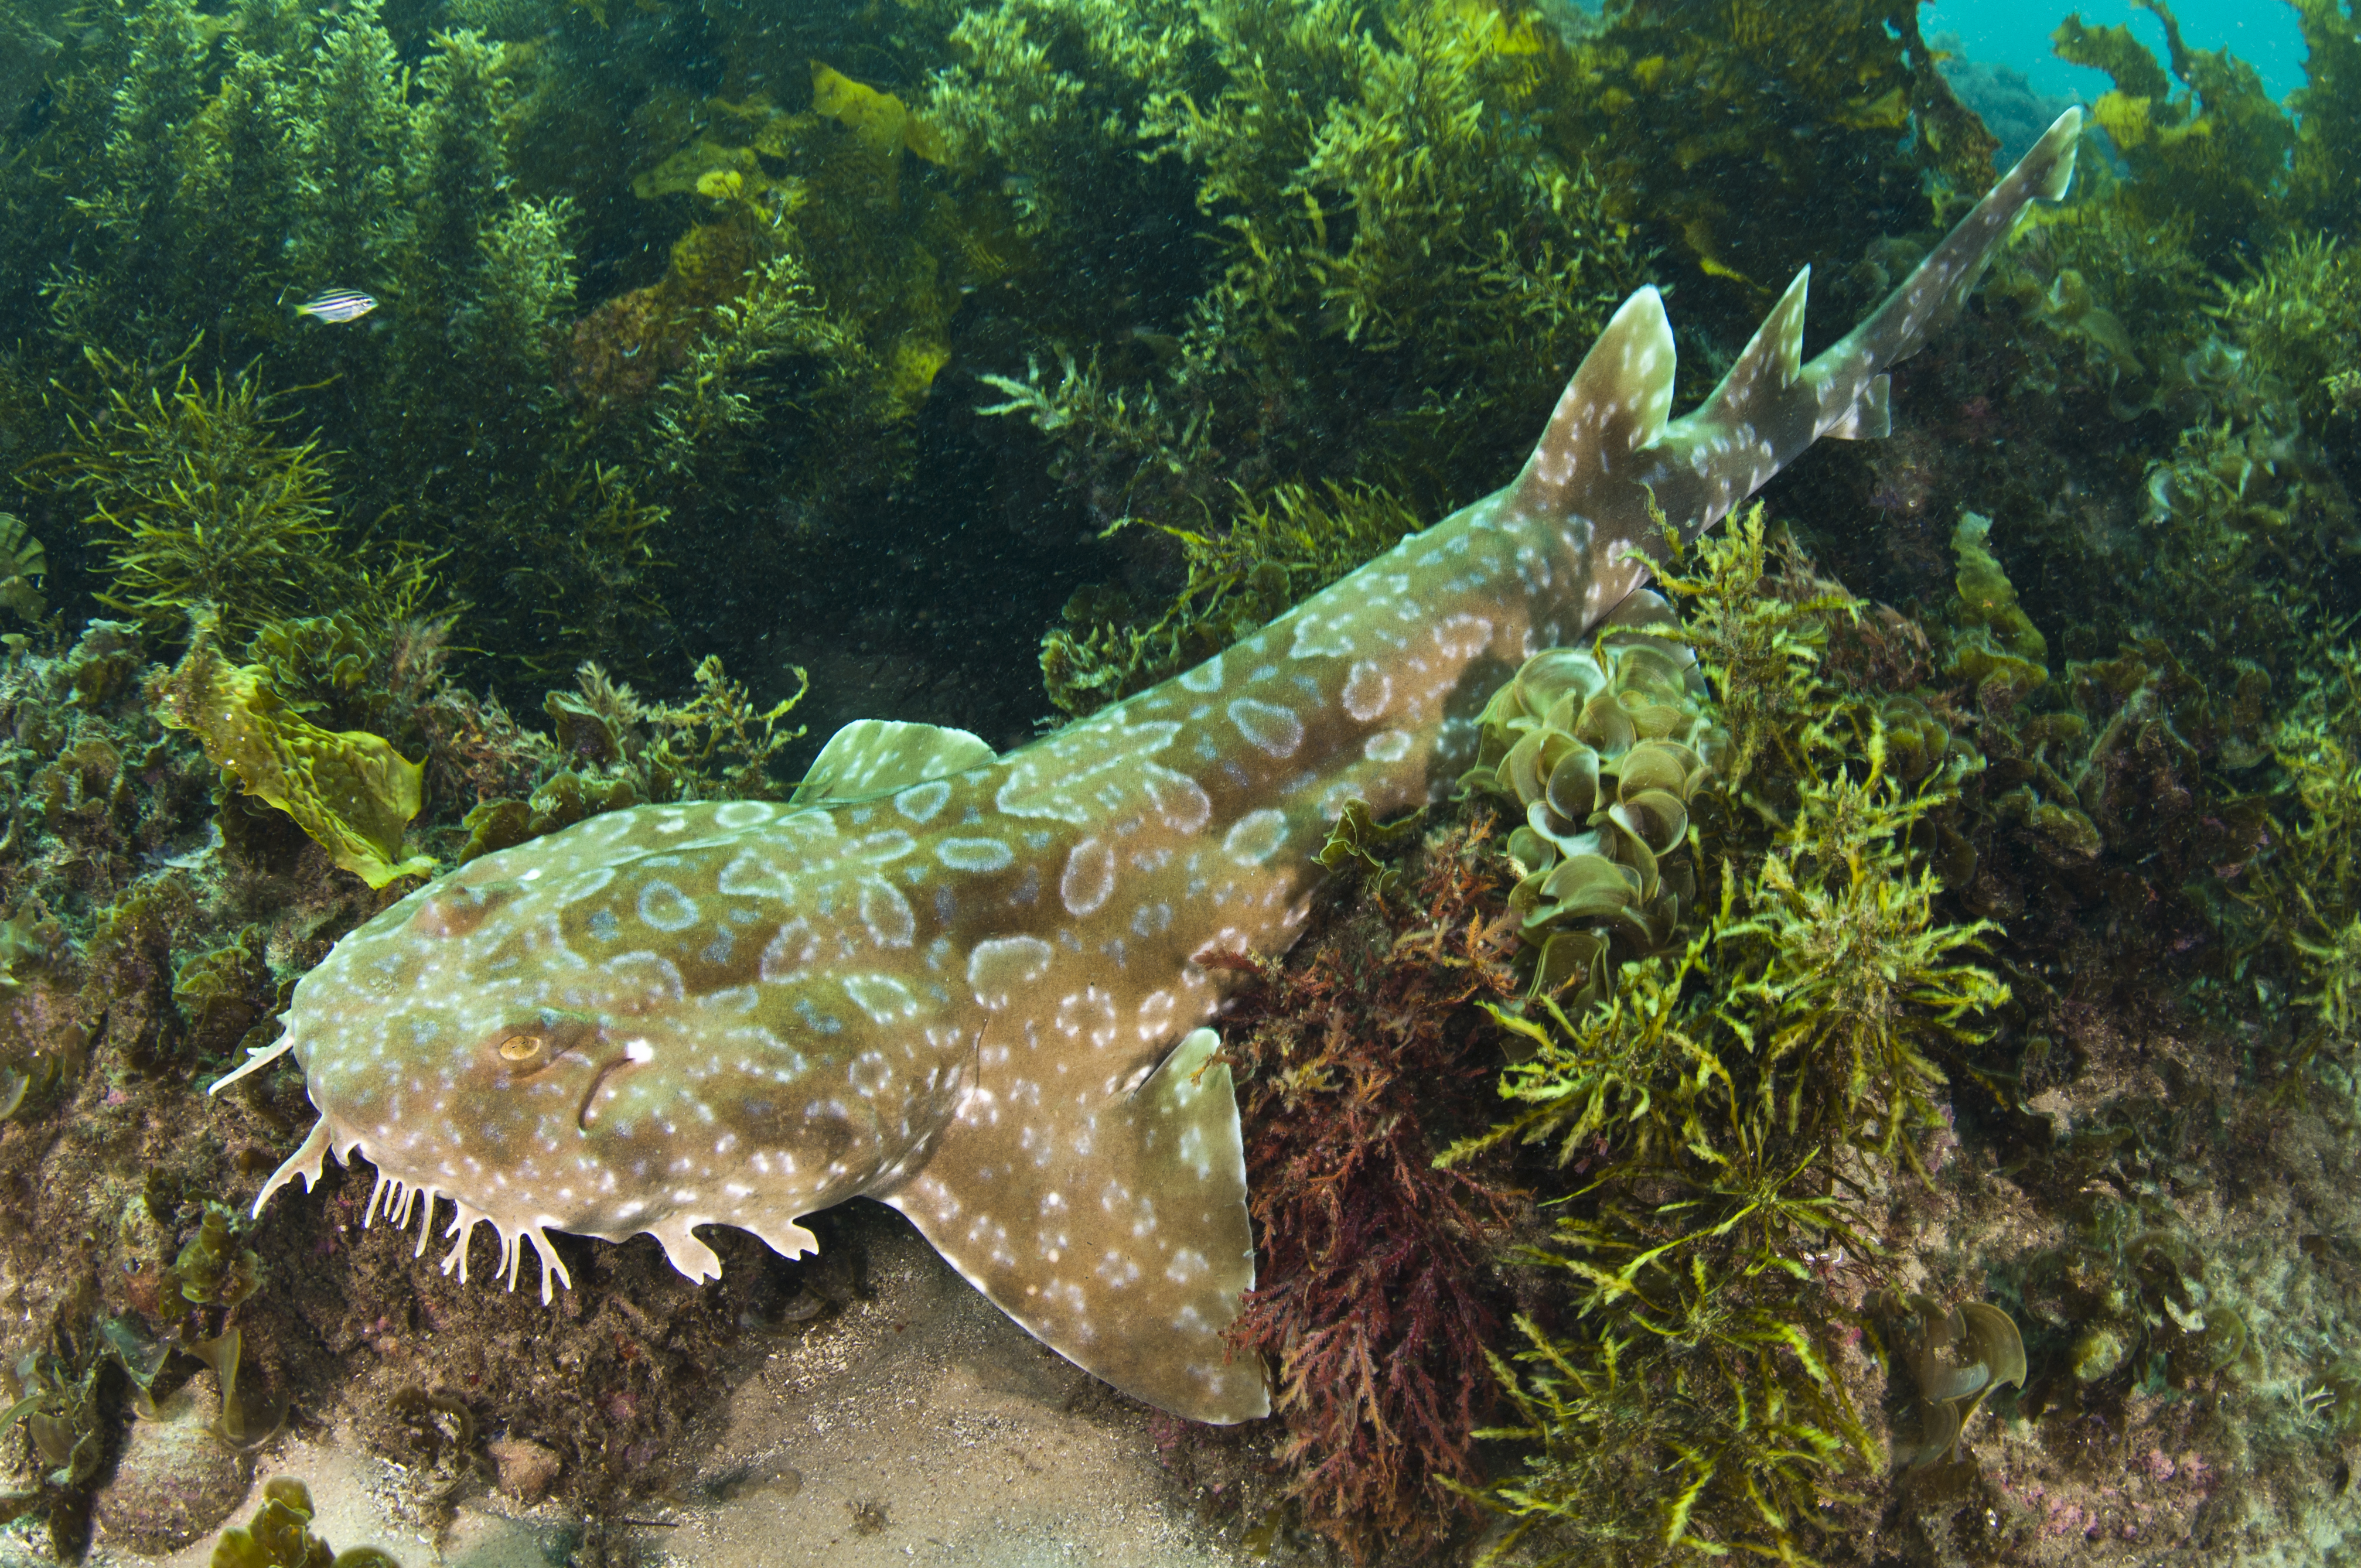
975, 986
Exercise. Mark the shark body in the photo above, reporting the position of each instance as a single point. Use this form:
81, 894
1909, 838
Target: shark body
973, 986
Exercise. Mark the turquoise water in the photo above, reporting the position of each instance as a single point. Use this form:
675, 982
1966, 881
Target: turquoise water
2016, 34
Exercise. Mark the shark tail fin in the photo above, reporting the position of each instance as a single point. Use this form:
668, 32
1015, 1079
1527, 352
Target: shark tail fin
1937, 288
1870, 417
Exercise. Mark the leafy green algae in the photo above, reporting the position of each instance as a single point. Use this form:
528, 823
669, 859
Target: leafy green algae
205, 503
279, 1536
350, 791
2211, 157
1406, 223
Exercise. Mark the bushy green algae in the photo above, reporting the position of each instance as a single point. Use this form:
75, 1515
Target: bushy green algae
1730, 1108
2207, 146
2297, 315
2307, 899
1275, 551
1412, 184
615, 750
198, 498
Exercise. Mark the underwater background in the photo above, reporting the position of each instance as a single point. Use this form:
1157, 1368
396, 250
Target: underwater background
431, 423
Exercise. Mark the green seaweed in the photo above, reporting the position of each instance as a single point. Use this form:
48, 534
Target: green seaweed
2308, 899
205, 503
1601, 750
351, 791
279, 1536
615, 750
1761, 650
2211, 156
1275, 550
56, 1392
23, 564
2298, 315
1354, 842
1729, 1106
2324, 188
1415, 185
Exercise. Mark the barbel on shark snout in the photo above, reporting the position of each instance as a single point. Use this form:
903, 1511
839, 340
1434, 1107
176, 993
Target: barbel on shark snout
971, 985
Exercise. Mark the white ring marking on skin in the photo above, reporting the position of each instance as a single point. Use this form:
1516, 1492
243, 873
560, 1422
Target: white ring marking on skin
999, 968
1256, 836
1179, 799
1274, 731
886, 914
919, 802
665, 907
1368, 692
1088, 880
1205, 678
974, 854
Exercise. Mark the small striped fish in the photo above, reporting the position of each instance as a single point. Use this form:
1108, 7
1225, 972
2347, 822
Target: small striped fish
337, 305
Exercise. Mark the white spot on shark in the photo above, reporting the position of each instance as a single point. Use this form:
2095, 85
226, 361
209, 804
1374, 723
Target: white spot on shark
1205, 679
1180, 800
1088, 880
974, 854
1271, 730
1368, 692
999, 968
919, 802
886, 914
884, 998
1256, 836
1463, 636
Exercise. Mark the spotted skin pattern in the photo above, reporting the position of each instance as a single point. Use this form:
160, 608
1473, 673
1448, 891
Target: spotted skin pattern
955, 982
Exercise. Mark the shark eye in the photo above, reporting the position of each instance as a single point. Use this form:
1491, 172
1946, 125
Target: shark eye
523, 1048
533, 1043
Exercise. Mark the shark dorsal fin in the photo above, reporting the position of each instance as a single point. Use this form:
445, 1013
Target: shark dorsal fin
1773, 357
878, 756
1614, 408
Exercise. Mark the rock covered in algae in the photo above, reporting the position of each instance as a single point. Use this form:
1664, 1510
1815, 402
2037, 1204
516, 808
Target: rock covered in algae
177, 1478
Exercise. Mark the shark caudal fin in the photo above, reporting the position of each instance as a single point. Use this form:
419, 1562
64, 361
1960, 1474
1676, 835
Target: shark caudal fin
1112, 1225
1937, 288
1610, 460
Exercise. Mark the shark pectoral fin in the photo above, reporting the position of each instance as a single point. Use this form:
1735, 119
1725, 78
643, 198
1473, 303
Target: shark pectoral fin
1870, 417
1615, 407
1112, 1225
878, 756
